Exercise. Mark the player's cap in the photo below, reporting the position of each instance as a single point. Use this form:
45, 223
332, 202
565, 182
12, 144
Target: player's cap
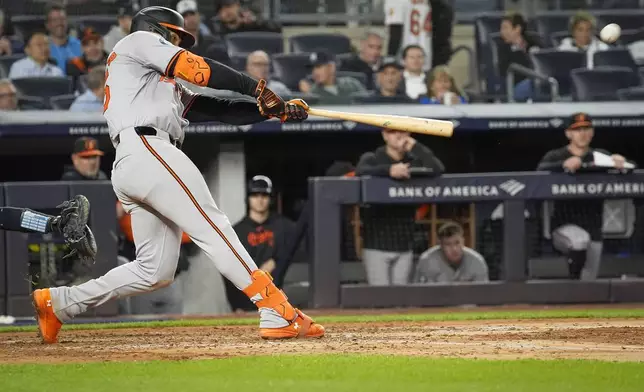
224, 3
87, 147
389, 62
260, 185
89, 34
320, 58
578, 121
187, 7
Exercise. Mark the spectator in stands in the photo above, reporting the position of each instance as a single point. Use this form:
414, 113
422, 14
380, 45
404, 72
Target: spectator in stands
8, 44
389, 229
368, 60
61, 45
389, 79
93, 54
578, 223
414, 83
258, 65
263, 234
426, 23
8, 95
331, 89
192, 23
582, 28
514, 49
118, 32
231, 18
441, 88
37, 63
451, 261
92, 99
86, 160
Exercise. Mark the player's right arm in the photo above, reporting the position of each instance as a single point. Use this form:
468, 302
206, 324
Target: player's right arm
395, 21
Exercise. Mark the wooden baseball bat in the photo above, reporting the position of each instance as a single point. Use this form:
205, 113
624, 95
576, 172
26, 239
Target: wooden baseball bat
399, 123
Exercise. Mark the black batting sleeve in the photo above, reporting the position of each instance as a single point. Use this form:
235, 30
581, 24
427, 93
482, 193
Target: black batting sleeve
239, 111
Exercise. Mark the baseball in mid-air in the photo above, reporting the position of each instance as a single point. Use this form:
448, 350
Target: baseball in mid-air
610, 33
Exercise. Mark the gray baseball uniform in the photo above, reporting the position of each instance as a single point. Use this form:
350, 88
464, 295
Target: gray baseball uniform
434, 268
157, 183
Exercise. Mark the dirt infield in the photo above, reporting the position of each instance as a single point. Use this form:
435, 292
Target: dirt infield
610, 339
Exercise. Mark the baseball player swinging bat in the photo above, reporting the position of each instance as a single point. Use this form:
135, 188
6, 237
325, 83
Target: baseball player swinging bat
398, 123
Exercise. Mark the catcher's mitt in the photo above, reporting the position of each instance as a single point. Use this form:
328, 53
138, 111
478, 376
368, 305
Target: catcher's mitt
72, 224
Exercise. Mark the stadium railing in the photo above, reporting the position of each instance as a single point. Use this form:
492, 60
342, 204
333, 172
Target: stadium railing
514, 190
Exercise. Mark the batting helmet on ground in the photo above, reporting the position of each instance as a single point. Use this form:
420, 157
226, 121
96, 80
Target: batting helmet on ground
162, 20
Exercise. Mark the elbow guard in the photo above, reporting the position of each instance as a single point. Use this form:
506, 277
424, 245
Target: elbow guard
191, 68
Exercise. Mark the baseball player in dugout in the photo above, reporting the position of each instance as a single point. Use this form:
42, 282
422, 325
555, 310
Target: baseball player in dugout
388, 229
262, 232
578, 223
161, 188
86, 162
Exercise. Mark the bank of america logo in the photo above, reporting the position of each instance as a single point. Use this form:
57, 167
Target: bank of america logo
512, 187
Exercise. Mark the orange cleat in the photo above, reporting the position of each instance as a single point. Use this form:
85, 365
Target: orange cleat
302, 327
48, 323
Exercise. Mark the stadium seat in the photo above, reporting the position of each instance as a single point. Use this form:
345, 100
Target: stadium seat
551, 62
219, 53
631, 94
549, 23
101, 23
44, 87
362, 78
307, 43
62, 102
619, 57
245, 43
7, 61
23, 24
291, 68
556, 38
375, 99
238, 62
627, 20
602, 83
629, 36
31, 103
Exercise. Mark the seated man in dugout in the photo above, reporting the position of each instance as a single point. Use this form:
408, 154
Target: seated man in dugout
450, 260
578, 223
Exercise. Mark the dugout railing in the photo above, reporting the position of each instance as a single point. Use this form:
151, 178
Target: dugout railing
516, 192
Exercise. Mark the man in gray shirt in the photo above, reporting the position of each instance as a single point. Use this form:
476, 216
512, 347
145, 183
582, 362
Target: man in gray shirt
451, 261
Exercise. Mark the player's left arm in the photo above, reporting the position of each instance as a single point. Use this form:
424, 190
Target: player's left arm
240, 111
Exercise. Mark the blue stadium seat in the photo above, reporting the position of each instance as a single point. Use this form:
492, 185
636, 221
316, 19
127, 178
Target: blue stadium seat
247, 42
374, 99
548, 23
627, 20
6, 62
44, 87
238, 62
23, 24
619, 57
62, 102
219, 53
551, 62
631, 94
31, 103
291, 68
307, 43
629, 36
602, 83
558, 36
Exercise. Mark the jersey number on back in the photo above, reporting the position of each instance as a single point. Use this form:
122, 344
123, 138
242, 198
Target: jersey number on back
415, 20
106, 100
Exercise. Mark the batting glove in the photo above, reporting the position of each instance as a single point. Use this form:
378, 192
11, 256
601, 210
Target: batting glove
296, 110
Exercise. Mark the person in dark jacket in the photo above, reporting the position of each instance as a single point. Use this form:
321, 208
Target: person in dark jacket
578, 223
388, 229
367, 61
405, 20
515, 48
93, 55
263, 234
231, 18
86, 160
